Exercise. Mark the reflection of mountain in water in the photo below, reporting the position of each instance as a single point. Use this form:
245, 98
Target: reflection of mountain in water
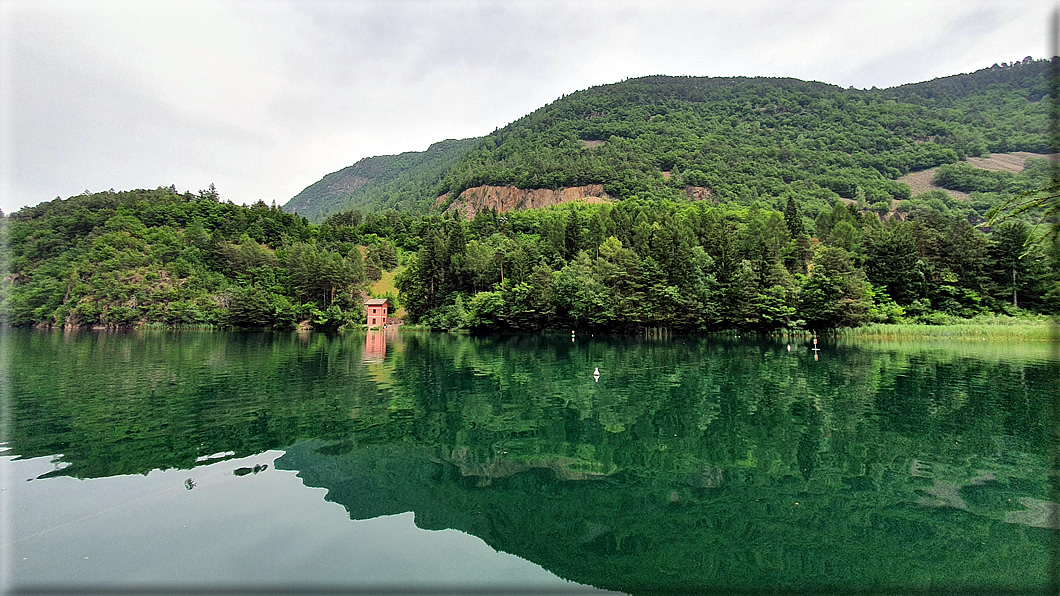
729, 471
717, 529
691, 463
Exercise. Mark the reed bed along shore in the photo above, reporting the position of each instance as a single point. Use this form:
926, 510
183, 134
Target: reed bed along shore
997, 329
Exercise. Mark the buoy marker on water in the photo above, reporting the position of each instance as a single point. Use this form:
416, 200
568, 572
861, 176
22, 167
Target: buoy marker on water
596, 375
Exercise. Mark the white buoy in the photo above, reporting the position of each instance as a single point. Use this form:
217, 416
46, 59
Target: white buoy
789, 347
596, 375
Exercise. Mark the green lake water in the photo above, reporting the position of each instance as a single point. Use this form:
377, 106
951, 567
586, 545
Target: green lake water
194, 461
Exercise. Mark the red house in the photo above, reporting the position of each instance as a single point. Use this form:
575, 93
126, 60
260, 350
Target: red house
376, 309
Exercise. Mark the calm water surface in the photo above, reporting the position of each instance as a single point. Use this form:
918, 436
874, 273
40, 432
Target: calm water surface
195, 460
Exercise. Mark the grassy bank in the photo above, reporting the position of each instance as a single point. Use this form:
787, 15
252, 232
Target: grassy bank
386, 287
996, 328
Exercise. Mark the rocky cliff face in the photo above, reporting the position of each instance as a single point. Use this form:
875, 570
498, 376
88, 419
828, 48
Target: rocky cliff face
347, 184
698, 193
510, 198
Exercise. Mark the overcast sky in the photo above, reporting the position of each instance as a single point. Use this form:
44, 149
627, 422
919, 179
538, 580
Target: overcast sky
264, 97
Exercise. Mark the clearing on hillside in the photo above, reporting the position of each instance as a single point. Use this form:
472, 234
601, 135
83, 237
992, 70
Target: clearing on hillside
921, 182
1008, 162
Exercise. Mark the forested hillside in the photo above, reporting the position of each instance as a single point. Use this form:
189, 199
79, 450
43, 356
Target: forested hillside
734, 139
120, 259
405, 182
694, 266
755, 204
757, 138
161, 257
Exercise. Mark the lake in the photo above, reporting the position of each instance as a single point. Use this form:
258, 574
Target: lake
363, 462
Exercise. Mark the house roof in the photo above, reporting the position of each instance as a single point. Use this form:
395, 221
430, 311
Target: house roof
376, 302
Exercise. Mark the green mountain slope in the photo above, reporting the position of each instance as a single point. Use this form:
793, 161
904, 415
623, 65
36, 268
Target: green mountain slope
1028, 75
755, 204
405, 182
143, 257
732, 139
745, 138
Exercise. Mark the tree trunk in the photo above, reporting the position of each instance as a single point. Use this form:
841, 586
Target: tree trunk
1015, 303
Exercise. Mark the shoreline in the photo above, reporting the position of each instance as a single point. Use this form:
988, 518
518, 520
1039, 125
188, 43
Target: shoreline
993, 329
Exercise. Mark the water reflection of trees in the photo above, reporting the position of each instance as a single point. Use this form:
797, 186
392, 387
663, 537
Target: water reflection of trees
667, 406
695, 465
125, 403
685, 459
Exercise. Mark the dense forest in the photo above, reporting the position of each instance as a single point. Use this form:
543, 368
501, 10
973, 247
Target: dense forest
146, 257
796, 221
697, 266
740, 139
141, 257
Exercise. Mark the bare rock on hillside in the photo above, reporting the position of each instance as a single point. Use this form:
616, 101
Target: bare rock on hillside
511, 198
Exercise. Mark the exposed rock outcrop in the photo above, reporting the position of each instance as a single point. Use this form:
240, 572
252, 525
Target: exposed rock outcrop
347, 183
698, 193
511, 198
